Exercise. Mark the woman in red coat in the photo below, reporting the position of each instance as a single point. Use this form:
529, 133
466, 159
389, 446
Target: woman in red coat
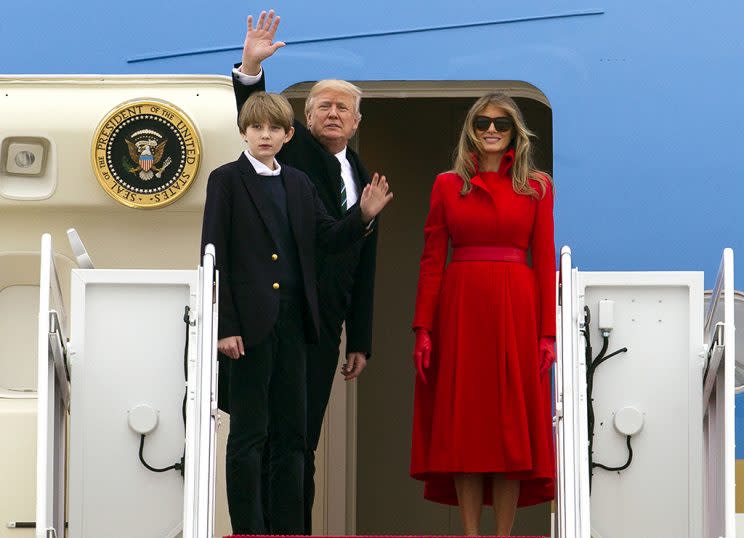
485, 325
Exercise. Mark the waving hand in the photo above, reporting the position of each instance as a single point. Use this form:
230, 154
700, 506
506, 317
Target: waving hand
259, 42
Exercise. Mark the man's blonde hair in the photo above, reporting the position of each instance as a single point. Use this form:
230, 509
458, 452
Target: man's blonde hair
263, 107
334, 85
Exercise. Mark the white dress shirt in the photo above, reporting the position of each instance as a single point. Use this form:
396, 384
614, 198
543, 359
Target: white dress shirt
347, 174
247, 80
261, 168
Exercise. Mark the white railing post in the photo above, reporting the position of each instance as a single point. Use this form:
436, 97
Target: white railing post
199, 497
53, 399
718, 405
572, 481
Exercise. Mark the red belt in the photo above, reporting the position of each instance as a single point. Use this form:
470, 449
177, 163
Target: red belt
489, 254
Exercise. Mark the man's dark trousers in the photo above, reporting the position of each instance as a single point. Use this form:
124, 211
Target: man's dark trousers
322, 367
268, 399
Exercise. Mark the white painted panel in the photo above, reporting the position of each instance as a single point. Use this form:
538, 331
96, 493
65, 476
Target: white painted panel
69, 181
658, 317
128, 335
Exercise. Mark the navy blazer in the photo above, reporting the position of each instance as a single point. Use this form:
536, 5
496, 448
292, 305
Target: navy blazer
235, 223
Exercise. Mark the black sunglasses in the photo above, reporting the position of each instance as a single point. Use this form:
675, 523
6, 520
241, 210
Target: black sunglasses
501, 123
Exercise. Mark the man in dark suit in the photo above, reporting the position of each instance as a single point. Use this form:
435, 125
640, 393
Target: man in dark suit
346, 280
265, 221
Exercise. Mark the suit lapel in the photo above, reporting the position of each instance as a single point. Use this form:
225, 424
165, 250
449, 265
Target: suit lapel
324, 171
334, 182
250, 181
360, 173
361, 176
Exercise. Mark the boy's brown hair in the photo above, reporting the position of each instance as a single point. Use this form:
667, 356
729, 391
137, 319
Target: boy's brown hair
263, 107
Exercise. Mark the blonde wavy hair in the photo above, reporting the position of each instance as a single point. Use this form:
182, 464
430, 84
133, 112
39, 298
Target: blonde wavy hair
334, 85
523, 168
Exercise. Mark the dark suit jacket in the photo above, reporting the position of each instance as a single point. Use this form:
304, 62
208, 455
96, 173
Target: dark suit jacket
347, 279
235, 223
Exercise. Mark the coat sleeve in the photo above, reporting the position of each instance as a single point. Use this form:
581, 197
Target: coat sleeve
543, 262
359, 318
216, 230
433, 259
243, 91
334, 235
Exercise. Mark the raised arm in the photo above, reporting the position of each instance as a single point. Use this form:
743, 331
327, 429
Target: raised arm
259, 44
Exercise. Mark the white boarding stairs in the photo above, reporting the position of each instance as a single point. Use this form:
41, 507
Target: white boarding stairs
61, 388
670, 392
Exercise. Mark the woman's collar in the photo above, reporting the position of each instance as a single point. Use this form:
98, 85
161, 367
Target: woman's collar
507, 159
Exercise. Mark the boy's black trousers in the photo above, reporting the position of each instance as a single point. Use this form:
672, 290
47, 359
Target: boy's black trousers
268, 401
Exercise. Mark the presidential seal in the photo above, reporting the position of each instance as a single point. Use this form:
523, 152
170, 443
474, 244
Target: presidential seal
146, 153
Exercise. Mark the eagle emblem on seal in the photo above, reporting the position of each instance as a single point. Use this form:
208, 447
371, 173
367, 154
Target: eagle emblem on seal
146, 148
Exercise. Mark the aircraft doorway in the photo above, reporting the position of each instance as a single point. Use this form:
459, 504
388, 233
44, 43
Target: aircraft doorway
408, 132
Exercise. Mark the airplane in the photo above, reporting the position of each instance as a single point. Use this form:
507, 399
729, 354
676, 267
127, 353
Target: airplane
606, 88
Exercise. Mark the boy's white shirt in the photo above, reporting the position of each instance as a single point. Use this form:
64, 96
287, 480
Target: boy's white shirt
261, 169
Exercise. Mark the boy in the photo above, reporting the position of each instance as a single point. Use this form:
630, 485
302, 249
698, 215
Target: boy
265, 221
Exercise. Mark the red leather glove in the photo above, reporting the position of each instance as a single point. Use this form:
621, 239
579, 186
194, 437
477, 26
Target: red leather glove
547, 353
422, 352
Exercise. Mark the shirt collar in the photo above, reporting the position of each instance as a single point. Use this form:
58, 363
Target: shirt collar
261, 169
341, 155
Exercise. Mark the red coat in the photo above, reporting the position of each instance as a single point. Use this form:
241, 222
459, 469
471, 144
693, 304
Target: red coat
486, 408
